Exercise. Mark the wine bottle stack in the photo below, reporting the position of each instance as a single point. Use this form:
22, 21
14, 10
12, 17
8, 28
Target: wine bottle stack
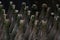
29, 23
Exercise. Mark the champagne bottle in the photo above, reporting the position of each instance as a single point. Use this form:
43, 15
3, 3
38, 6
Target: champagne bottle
54, 30
32, 19
35, 29
6, 29
22, 8
19, 35
34, 9
11, 10
15, 15
1, 7
31, 24
43, 11
1, 20
28, 15
15, 26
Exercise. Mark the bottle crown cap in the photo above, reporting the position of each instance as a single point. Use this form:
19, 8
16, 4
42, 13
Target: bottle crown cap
16, 11
52, 13
44, 5
23, 3
20, 15
11, 2
0, 2
21, 21
36, 21
13, 6
29, 12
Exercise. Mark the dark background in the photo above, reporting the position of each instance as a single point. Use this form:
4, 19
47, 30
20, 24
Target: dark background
29, 2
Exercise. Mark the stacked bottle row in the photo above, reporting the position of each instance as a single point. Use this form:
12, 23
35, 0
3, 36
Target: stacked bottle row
29, 23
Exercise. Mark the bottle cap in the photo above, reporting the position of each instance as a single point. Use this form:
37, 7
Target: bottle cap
23, 3
29, 12
13, 6
11, 2
20, 15
0, 2
52, 13
36, 21
44, 5
57, 5
22, 21
37, 13
32, 16
34, 5
44, 21
16, 11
